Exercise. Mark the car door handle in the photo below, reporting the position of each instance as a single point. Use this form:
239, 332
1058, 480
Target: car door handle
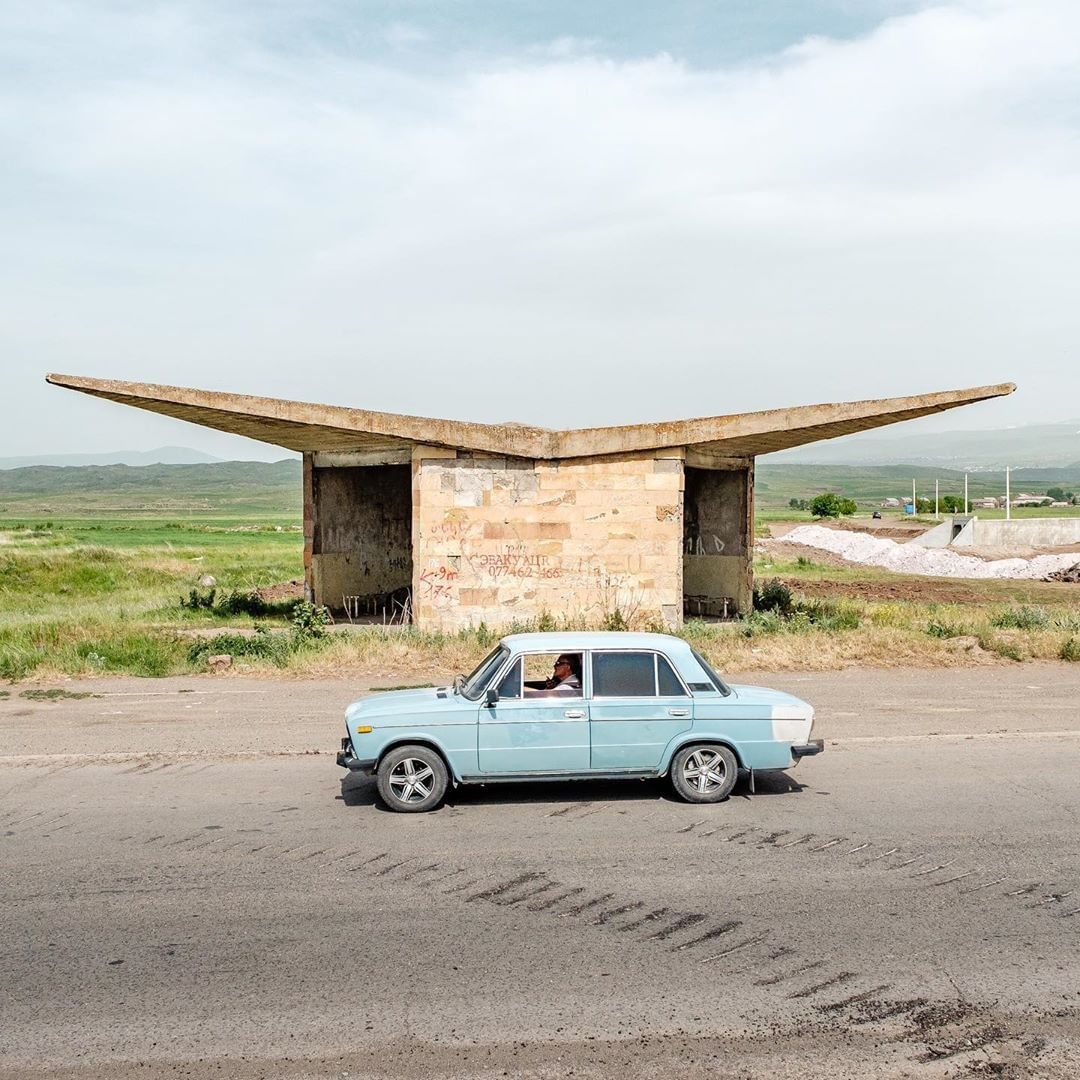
574, 714
678, 712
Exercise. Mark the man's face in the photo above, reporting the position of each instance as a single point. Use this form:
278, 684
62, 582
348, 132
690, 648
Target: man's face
562, 668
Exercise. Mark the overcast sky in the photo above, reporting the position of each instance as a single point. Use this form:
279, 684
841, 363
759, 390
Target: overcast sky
552, 211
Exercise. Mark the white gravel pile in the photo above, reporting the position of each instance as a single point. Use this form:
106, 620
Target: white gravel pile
911, 559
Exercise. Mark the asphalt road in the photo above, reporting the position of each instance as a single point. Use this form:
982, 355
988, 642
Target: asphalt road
189, 888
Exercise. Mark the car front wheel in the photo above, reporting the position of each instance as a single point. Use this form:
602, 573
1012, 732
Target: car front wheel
412, 779
704, 774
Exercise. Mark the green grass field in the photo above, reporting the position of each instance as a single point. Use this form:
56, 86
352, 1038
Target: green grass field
93, 581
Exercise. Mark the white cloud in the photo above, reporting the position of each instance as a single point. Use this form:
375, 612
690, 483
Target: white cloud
554, 235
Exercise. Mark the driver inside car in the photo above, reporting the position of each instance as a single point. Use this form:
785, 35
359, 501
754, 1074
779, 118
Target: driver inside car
564, 681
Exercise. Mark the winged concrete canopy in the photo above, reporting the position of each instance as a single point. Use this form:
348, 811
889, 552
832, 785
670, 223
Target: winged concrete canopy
299, 425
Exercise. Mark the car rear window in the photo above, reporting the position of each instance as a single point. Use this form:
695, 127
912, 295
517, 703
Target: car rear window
634, 674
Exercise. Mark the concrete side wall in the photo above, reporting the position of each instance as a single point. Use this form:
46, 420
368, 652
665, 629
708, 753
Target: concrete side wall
1023, 533
361, 532
499, 539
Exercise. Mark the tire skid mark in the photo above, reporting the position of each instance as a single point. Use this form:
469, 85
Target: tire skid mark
772, 980
566, 809
932, 869
955, 877
976, 1041
547, 886
461, 886
737, 835
367, 862
773, 837
580, 909
709, 935
1052, 898
504, 887
606, 916
681, 923
816, 988
184, 840
417, 871
877, 1011
854, 999
552, 901
878, 858
755, 939
1025, 890
979, 888
652, 916
384, 870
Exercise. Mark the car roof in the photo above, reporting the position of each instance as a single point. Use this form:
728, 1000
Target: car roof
563, 641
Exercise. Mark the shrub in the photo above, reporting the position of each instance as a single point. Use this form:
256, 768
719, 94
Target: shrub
773, 595
198, 601
1022, 618
940, 629
308, 620
1070, 649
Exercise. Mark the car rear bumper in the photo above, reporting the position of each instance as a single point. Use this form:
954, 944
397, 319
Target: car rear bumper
808, 749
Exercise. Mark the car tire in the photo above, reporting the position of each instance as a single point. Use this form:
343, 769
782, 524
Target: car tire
412, 779
704, 773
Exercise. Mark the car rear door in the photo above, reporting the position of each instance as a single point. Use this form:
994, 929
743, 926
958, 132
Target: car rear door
519, 734
638, 705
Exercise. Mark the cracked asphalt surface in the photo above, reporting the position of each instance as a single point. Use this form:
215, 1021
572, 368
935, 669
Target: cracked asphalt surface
191, 887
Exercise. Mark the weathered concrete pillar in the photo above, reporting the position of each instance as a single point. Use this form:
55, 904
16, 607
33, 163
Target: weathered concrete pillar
309, 527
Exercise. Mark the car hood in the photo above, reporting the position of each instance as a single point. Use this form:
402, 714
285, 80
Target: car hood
763, 695
393, 702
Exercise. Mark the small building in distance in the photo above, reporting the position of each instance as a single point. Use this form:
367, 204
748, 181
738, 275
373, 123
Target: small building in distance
450, 524
891, 504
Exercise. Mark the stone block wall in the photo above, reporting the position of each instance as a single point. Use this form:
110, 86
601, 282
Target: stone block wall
498, 539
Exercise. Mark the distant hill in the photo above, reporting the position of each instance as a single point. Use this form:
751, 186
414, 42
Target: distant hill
1032, 446
778, 481
163, 455
232, 487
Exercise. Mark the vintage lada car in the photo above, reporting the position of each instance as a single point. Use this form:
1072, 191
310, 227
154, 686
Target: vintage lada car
576, 706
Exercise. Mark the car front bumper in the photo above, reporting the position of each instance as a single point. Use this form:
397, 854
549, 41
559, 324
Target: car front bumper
347, 759
809, 749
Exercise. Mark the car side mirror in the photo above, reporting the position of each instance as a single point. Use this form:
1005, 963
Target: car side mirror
491, 696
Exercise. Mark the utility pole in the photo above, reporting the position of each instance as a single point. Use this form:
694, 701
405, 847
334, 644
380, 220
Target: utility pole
965, 494
937, 492
914, 504
1008, 498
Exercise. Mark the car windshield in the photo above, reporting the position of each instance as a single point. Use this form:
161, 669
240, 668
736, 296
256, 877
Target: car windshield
715, 679
474, 685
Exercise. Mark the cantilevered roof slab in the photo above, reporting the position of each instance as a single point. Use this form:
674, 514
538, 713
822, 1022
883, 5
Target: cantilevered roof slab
306, 427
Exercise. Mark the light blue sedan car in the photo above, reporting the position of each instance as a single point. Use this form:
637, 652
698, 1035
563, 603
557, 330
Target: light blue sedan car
614, 705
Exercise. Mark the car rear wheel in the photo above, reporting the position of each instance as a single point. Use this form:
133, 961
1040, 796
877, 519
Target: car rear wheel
412, 779
704, 774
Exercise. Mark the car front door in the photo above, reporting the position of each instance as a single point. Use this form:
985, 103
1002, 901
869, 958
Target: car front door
522, 733
638, 705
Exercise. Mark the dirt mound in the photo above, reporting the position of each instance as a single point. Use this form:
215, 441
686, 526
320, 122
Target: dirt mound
284, 590
1070, 574
930, 590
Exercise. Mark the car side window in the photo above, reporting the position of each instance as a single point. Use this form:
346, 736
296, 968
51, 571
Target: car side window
624, 674
510, 686
666, 680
